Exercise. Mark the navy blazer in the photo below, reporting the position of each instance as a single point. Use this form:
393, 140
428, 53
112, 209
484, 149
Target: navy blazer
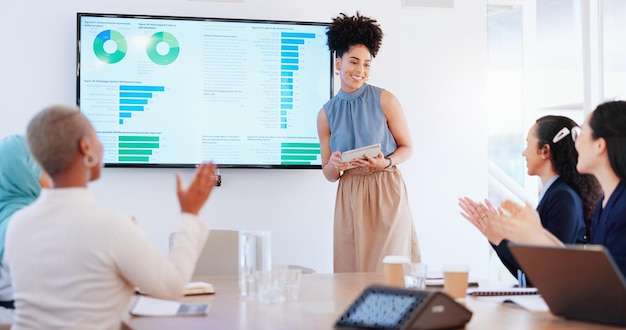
561, 212
608, 226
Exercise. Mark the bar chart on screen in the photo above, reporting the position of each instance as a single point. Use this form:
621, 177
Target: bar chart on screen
135, 99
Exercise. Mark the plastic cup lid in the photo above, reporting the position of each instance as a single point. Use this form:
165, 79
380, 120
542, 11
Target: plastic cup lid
396, 260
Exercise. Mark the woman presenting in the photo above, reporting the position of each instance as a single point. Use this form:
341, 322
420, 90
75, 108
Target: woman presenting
372, 214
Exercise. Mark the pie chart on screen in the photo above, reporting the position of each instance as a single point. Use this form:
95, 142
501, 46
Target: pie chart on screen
107, 37
162, 48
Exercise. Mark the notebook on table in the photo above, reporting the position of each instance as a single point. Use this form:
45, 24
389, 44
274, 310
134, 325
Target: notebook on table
577, 282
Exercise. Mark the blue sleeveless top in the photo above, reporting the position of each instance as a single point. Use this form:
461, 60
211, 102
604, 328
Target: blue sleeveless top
357, 120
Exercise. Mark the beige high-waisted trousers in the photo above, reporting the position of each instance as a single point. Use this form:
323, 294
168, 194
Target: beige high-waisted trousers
372, 220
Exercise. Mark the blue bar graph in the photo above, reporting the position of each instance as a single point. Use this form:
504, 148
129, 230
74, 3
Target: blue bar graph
289, 54
135, 98
290, 44
300, 35
289, 47
135, 94
131, 107
289, 61
292, 41
137, 88
289, 67
133, 101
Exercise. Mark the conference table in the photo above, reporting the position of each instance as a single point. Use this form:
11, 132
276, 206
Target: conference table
323, 298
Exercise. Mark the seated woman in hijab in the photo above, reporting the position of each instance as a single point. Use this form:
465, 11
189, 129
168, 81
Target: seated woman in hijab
75, 265
21, 180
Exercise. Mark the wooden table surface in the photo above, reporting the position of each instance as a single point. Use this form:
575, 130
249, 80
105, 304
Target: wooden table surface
323, 298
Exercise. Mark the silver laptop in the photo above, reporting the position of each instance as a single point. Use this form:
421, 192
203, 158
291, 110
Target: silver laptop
577, 282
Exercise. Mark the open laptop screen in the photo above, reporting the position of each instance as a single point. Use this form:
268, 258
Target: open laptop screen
580, 282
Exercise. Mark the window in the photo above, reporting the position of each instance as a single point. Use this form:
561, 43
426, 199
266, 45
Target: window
535, 68
544, 57
614, 49
505, 98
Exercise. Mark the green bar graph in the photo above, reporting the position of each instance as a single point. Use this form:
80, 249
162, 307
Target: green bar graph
300, 145
136, 159
138, 145
137, 148
125, 138
297, 157
295, 153
301, 151
295, 163
135, 152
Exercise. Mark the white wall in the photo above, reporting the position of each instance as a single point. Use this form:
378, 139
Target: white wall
433, 60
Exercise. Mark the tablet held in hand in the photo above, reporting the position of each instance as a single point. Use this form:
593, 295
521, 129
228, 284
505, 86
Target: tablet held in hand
359, 153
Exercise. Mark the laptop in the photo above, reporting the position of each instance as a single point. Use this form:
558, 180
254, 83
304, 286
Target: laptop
577, 282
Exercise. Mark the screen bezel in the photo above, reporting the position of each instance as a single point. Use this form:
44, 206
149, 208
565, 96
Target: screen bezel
80, 15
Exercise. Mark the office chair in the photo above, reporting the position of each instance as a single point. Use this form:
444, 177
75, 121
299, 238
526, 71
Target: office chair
220, 255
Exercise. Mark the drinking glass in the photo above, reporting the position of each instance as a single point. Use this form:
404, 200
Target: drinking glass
415, 275
254, 255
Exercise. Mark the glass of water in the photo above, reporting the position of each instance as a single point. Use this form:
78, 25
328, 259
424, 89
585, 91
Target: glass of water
254, 255
415, 275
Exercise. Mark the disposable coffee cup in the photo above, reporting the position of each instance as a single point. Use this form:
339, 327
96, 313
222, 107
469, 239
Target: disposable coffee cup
394, 270
455, 280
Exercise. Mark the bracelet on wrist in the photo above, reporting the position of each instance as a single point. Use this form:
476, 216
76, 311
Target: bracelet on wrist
390, 162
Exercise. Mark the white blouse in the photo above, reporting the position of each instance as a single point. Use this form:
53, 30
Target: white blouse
75, 265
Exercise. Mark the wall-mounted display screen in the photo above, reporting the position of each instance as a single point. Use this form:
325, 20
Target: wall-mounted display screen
179, 91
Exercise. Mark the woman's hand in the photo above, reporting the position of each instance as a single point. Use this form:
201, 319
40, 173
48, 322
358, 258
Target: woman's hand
193, 198
336, 164
486, 218
378, 163
524, 224
516, 223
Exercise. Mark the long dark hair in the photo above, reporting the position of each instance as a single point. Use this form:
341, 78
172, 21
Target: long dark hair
564, 159
608, 121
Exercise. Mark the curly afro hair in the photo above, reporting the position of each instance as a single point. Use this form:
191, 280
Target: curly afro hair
346, 31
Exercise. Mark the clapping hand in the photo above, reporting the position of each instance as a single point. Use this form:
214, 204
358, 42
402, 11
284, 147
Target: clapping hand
516, 223
523, 222
193, 198
486, 218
